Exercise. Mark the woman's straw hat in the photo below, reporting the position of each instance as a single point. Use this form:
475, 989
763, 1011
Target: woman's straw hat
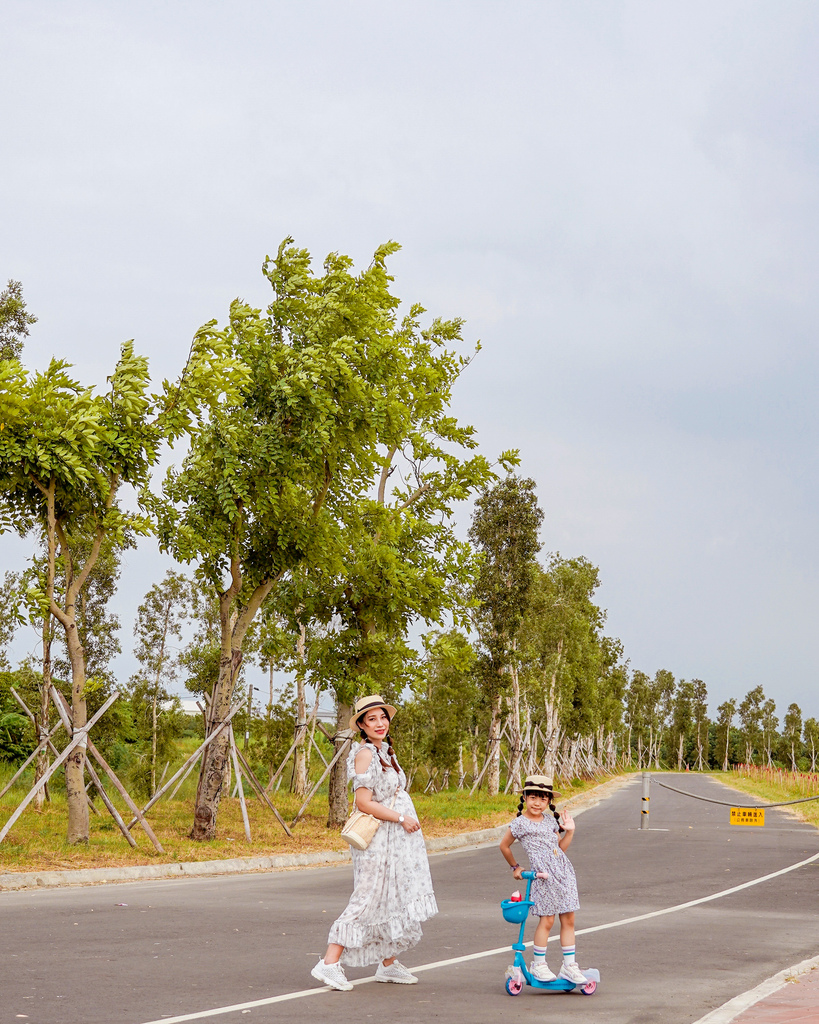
365, 704
537, 783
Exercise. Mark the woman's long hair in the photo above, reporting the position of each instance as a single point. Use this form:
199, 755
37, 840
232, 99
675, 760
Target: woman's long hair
390, 751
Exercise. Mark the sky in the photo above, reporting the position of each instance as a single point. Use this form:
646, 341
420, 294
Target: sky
620, 199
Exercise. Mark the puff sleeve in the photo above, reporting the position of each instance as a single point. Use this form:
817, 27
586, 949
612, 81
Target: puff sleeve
366, 779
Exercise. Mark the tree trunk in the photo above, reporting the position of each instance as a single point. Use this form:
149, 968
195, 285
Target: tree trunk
337, 796
76, 798
153, 743
43, 760
213, 773
515, 731
300, 753
493, 749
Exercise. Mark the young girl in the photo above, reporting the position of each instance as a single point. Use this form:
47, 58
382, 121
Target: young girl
545, 840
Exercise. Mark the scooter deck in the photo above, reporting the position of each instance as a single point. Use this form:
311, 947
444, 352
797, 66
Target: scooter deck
562, 984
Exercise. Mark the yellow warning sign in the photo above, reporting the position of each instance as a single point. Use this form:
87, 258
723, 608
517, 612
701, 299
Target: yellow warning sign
747, 815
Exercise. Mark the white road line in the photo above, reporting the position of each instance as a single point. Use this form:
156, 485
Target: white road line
287, 996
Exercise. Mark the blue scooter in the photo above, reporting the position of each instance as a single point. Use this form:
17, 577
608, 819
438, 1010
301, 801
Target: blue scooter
518, 975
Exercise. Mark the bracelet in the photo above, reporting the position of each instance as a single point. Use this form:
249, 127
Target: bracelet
515, 867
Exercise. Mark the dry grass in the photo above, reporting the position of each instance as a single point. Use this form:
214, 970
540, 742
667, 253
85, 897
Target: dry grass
37, 841
773, 785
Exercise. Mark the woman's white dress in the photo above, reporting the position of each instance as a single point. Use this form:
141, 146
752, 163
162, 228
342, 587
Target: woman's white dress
392, 891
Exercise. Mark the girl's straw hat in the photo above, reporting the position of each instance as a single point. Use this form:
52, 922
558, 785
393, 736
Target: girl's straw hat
539, 783
365, 704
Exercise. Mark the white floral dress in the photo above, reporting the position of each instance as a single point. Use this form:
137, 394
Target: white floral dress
556, 894
392, 891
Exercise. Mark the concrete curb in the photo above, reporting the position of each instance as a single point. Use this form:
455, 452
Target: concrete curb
12, 881
729, 1011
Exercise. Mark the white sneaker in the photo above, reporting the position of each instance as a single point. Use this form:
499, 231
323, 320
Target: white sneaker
541, 971
332, 975
572, 973
396, 973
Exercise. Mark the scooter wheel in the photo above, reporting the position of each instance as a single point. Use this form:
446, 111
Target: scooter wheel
514, 987
589, 988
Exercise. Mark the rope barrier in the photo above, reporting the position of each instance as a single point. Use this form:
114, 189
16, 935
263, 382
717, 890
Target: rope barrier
728, 803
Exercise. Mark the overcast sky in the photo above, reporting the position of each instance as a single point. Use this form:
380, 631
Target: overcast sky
619, 198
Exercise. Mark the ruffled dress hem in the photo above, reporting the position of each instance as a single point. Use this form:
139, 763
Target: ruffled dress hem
366, 944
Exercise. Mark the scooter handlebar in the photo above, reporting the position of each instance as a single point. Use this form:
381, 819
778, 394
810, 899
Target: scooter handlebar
534, 874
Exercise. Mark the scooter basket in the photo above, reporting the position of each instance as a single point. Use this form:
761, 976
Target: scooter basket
516, 911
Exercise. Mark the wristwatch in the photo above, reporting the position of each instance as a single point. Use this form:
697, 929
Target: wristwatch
400, 819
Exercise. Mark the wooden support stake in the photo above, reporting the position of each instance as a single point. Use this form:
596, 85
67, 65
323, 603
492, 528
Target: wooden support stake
209, 739
30, 758
123, 792
239, 785
254, 782
342, 750
318, 750
106, 800
280, 769
191, 763
80, 737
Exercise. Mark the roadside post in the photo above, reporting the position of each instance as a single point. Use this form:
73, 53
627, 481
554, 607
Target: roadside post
646, 788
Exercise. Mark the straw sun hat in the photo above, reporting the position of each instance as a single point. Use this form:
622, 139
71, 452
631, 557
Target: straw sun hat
365, 704
538, 783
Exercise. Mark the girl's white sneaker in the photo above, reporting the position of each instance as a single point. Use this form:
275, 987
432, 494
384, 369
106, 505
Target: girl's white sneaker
396, 973
572, 973
332, 975
542, 972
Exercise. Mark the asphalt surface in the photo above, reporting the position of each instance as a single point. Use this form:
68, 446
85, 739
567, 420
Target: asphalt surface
186, 947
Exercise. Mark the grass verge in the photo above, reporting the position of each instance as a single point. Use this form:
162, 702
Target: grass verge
772, 785
37, 841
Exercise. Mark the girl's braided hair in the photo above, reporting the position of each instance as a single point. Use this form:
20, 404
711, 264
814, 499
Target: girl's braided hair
390, 751
541, 791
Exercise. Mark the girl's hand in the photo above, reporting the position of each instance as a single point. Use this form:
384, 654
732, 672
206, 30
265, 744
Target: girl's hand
517, 874
410, 825
567, 821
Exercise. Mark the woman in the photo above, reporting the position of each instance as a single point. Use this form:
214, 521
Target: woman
392, 888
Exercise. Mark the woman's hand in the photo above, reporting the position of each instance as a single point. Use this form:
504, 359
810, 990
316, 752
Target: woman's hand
567, 821
410, 825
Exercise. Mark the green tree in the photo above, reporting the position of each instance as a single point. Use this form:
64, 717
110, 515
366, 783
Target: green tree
725, 718
504, 530
810, 731
269, 481
159, 622
682, 716
567, 659
792, 732
699, 710
445, 704
14, 321
659, 711
66, 456
638, 700
770, 723
750, 716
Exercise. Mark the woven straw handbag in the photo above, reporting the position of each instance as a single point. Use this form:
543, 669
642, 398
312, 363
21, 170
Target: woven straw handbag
360, 828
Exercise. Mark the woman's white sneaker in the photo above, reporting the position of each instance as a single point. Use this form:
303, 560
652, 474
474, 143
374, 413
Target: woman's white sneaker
396, 973
572, 973
332, 975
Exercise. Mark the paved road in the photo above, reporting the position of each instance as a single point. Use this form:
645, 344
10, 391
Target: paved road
73, 956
